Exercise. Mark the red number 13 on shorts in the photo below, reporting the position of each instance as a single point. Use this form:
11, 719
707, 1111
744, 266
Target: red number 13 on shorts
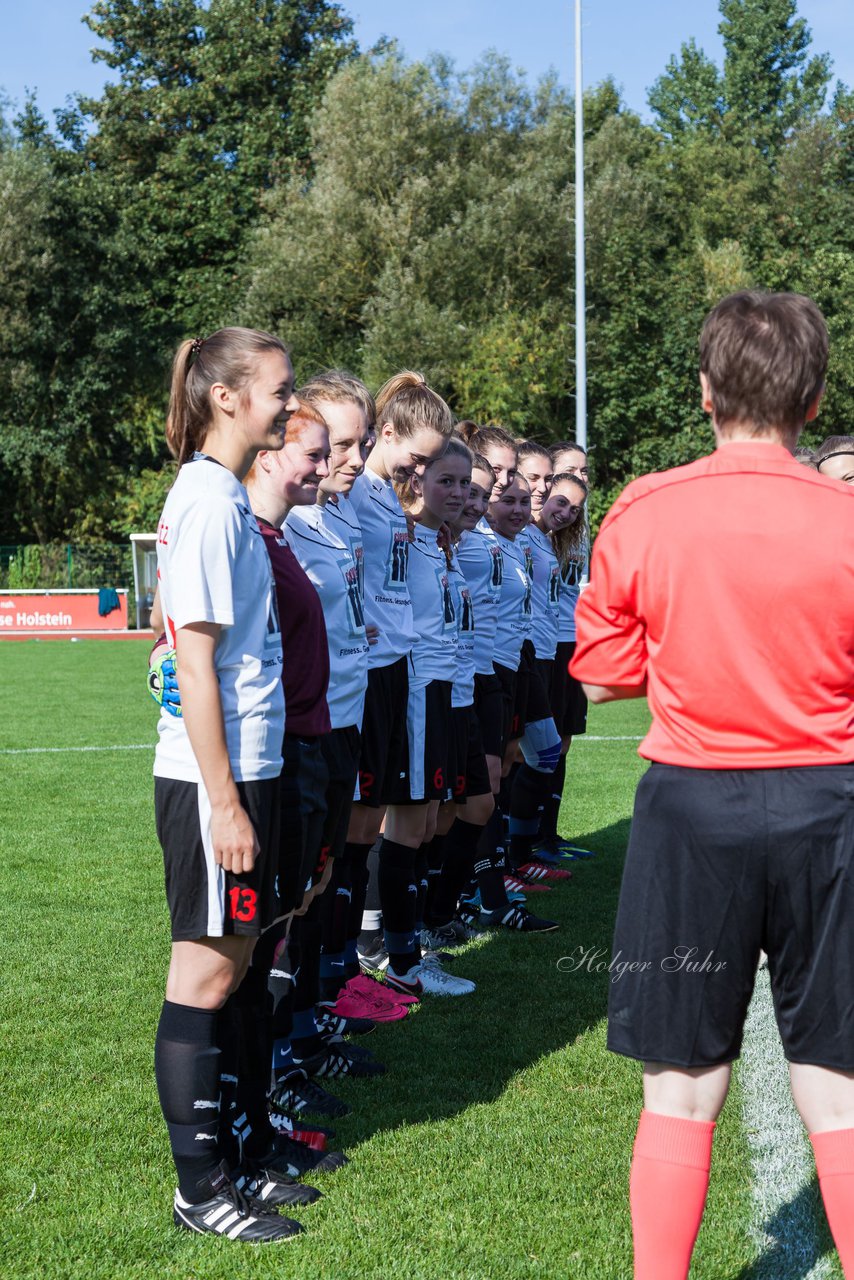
244, 904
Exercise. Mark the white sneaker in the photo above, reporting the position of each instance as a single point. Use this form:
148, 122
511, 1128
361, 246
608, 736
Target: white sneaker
436, 981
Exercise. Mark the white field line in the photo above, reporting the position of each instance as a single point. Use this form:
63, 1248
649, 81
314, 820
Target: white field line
58, 751
149, 746
783, 1222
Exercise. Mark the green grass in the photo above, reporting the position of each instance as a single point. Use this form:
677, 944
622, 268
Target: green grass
497, 1145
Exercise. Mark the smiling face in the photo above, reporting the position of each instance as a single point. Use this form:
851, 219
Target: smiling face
266, 403
348, 430
538, 471
510, 512
573, 461
404, 456
563, 506
476, 504
301, 465
504, 462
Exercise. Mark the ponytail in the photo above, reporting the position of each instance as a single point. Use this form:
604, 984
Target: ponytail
229, 357
411, 406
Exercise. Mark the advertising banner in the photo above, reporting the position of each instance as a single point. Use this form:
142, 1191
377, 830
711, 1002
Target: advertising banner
63, 611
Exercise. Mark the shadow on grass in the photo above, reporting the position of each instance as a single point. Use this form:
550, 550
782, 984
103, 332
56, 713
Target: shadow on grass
454, 1053
801, 1238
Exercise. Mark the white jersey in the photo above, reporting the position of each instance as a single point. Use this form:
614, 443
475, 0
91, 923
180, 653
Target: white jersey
545, 598
481, 561
388, 605
434, 607
333, 564
212, 566
514, 608
571, 579
462, 694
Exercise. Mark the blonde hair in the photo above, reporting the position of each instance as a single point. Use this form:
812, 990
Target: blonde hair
411, 406
337, 386
228, 356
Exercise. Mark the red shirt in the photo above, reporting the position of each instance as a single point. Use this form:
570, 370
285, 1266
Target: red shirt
728, 585
305, 653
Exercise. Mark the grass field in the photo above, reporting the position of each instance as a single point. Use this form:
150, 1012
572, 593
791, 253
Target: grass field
496, 1146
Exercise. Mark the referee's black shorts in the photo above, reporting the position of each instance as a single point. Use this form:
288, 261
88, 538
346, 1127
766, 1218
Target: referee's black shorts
721, 864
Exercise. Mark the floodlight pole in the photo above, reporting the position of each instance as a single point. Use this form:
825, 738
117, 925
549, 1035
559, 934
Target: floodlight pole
580, 307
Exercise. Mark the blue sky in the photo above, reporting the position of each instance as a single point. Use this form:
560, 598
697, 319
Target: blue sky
46, 47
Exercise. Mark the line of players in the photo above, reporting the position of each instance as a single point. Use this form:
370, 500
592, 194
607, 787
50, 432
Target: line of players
423, 604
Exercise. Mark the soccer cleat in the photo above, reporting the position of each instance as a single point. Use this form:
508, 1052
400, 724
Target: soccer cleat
294, 1159
231, 1214
297, 1095
435, 981
464, 931
443, 935
409, 983
373, 958
554, 845
342, 1060
364, 983
519, 918
538, 871
363, 1004
330, 1023
272, 1188
518, 889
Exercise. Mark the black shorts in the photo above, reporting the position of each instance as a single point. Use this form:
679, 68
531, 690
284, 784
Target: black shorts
568, 699
428, 765
341, 752
508, 680
472, 775
489, 709
383, 732
205, 901
538, 706
721, 864
304, 782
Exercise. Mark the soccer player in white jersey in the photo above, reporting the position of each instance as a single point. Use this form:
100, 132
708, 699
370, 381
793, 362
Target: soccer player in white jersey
428, 769
413, 427
565, 517
217, 766
327, 539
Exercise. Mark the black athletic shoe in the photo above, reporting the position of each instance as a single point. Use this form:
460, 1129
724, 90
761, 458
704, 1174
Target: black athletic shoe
296, 1095
336, 1060
296, 1159
231, 1214
334, 1024
272, 1187
517, 918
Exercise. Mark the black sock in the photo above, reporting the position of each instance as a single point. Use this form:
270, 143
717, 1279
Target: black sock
457, 866
489, 864
228, 1040
529, 789
186, 1067
304, 1039
281, 991
551, 807
398, 893
422, 878
252, 1006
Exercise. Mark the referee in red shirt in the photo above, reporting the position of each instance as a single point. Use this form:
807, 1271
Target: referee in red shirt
724, 592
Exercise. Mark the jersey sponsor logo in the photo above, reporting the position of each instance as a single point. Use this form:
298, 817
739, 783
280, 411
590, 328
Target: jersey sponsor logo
526, 603
355, 599
554, 586
359, 556
497, 566
163, 534
398, 560
529, 560
449, 613
274, 627
467, 611
573, 571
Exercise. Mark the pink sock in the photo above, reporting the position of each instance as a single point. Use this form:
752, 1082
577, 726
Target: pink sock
667, 1191
834, 1162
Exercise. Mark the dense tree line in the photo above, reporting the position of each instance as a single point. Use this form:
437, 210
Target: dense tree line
251, 165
